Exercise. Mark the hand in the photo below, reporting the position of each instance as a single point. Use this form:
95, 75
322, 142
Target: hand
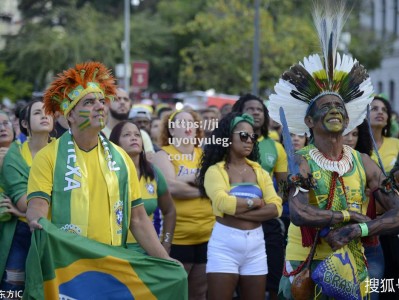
190, 178
258, 203
166, 245
175, 260
340, 237
11, 208
34, 224
358, 218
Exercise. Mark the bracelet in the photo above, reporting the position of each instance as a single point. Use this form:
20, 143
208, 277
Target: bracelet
346, 214
167, 238
364, 229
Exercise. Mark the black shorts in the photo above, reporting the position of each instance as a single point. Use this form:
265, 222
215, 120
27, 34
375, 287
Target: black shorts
195, 254
275, 250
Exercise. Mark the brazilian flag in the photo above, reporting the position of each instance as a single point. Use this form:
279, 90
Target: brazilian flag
63, 265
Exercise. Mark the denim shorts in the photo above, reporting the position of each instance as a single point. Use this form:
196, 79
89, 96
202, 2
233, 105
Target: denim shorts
17, 255
232, 250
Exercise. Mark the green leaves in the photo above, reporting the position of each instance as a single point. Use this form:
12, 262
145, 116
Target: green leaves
190, 45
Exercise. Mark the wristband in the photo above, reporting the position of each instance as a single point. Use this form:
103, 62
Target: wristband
324, 231
167, 238
364, 229
346, 214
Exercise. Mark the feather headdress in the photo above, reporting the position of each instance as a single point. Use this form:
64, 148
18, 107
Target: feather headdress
73, 84
304, 83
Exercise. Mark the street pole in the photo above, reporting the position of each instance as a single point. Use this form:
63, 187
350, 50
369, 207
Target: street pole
255, 54
126, 56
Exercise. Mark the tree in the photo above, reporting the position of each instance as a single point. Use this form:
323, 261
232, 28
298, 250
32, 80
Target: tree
220, 56
61, 39
11, 88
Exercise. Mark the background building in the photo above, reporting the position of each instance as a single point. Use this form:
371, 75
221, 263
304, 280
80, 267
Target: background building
383, 17
10, 19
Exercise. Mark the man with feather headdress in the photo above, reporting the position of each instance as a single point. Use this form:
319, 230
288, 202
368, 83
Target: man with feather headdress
327, 98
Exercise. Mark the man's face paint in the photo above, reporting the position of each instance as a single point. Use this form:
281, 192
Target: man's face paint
331, 112
85, 114
101, 120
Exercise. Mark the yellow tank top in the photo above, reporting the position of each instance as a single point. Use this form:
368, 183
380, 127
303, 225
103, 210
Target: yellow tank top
388, 151
354, 181
194, 217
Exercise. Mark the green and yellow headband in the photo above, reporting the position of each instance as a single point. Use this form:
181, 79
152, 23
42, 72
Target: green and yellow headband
243, 118
77, 94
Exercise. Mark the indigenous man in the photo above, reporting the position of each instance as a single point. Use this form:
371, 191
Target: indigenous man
327, 194
82, 182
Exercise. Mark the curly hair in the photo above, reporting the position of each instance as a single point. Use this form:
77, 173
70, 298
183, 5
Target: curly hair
145, 166
214, 153
386, 131
239, 107
164, 136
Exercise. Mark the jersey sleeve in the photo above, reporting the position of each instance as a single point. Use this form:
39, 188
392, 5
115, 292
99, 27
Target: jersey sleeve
162, 187
216, 189
40, 181
281, 165
135, 192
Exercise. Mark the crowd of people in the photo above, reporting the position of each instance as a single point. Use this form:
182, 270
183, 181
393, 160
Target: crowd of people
244, 215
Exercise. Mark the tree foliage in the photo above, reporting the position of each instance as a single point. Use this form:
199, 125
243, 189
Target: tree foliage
60, 39
220, 56
11, 88
190, 45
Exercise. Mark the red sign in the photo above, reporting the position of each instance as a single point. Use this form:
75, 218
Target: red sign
140, 74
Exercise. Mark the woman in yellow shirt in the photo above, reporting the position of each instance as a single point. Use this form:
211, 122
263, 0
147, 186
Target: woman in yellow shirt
242, 197
388, 149
15, 241
181, 139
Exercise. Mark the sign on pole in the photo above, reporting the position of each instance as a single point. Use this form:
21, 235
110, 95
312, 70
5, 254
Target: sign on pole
140, 74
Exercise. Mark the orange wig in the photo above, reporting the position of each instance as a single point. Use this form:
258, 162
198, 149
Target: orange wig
73, 84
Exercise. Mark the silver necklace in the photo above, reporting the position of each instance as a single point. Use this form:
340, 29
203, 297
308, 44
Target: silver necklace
239, 172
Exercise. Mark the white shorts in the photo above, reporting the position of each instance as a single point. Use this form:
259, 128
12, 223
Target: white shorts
232, 250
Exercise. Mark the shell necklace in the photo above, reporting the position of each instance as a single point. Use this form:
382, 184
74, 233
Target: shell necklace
341, 166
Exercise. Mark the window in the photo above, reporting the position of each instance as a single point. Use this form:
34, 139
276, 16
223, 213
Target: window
384, 16
379, 86
373, 16
392, 91
395, 16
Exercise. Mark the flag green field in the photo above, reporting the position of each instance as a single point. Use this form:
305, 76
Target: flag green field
63, 265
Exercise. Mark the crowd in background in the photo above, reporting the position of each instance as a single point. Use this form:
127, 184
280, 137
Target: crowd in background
182, 215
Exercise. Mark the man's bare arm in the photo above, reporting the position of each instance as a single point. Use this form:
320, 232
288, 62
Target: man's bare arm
304, 214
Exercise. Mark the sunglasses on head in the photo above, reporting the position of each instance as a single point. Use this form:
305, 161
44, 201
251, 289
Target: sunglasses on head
245, 135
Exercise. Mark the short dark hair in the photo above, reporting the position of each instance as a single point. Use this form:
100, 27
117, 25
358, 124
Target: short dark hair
239, 107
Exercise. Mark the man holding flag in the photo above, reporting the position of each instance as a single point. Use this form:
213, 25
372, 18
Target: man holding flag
86, 185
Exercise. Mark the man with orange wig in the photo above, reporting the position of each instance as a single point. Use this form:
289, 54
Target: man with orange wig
82, 182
